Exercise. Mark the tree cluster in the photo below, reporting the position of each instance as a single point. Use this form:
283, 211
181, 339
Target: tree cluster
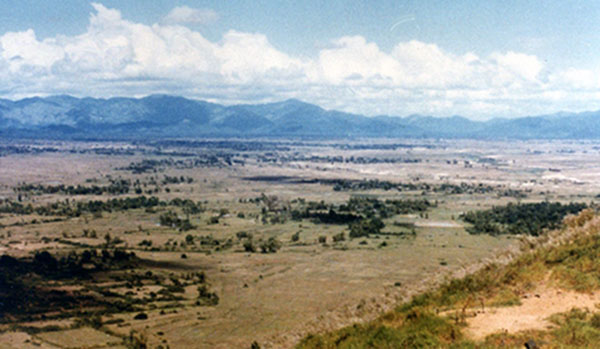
528, 218
76, 208
116, 187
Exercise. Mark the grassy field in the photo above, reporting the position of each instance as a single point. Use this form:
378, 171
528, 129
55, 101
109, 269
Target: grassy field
548, 295
281, 200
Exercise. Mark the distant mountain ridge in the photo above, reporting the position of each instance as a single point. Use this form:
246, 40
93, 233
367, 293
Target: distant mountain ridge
165, 116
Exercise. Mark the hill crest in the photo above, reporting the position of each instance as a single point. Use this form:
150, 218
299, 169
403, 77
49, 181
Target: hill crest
167, 116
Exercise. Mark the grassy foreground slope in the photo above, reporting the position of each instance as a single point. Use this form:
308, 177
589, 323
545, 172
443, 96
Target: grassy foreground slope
566, 260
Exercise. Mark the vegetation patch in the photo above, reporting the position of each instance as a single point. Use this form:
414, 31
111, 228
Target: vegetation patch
437, 318
528, 218
73, 338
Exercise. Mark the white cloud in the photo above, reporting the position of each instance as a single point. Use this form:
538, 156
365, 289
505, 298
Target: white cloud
522, 65
353, 60
115, 56
579, 79
248, 58
21, 49
427, 65
188, 15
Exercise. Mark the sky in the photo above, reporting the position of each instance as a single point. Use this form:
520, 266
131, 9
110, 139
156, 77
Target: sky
479, 59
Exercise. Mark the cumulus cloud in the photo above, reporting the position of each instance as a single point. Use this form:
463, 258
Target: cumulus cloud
579, 79
353, 60
188, 15
115, 56
246, 57
525, 66
23, 49
427, 65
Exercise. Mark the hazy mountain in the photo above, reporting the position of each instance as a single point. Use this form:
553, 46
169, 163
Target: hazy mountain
170, 116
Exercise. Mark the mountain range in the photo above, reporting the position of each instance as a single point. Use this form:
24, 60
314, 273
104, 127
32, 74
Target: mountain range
163, 116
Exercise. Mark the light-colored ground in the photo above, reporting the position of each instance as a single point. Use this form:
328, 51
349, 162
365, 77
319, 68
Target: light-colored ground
278, 299
311, 288
22, 340
438, 224
532, 314
76, 337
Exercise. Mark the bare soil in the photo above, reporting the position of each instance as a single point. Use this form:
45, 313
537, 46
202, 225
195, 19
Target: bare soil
533, 313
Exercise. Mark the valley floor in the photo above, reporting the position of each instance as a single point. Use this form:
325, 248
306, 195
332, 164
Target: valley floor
258, 225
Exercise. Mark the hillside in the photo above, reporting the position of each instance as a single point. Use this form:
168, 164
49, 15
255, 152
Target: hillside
547, 296
161, 116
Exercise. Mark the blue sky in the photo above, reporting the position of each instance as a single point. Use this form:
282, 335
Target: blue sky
480, 59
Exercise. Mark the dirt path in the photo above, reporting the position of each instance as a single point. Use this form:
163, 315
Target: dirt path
531, 314
438, 224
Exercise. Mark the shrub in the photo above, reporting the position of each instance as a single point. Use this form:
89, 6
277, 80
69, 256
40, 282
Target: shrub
249, 246
141, 316
595, 321
242, 234
45, 260
169, 219
366, 227
205, 297
145, 243
185, 225
296, 237
270, 246
339, 237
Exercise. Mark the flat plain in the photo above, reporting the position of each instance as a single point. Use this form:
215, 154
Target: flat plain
239, 241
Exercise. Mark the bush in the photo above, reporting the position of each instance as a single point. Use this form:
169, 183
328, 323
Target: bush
141, 316
145, 243
45, 260
189, 239
249, 246
339, 237
595, 321
270, 246
296, 237
242, 234
205, 297
366, 227
185, 225
169, 219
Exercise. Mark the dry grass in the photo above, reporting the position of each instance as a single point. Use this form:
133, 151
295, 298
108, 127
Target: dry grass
277, 299
76, 337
